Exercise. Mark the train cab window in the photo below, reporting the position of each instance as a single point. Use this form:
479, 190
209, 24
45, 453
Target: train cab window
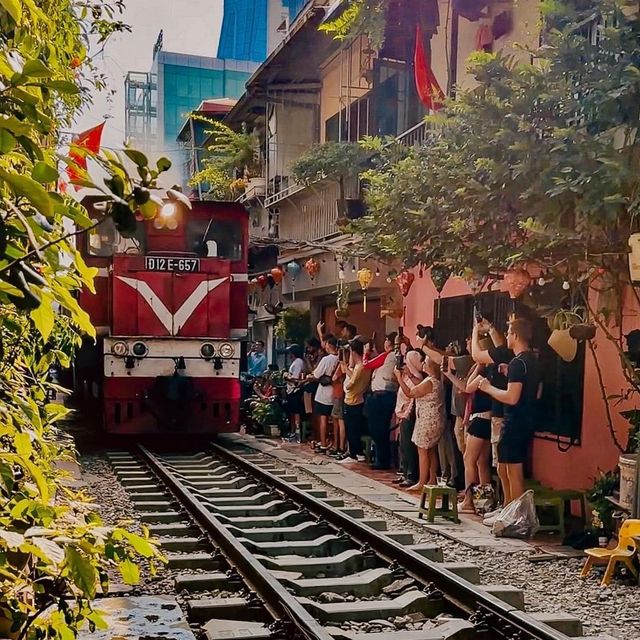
101, 241
216, 239
104, 241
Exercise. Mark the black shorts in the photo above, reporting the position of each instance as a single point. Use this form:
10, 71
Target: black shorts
295, 403
322, 409
513, 447
480, 428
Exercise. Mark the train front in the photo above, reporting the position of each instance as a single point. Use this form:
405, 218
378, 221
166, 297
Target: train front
170, 304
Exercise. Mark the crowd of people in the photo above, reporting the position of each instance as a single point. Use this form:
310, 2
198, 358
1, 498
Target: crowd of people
422, 402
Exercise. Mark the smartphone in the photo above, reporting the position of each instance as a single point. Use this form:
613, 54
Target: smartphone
476, 314
372, 342
445, 363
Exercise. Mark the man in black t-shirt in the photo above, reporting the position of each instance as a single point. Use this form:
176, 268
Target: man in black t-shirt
496, 357
519, 402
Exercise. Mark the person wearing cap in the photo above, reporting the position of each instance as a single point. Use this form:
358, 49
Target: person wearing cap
406, 417
295, 400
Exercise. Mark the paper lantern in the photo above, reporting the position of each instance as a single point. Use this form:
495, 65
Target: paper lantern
365, 277
517, 282
312, 267
262, 281
404, 282
293, 269
277, 274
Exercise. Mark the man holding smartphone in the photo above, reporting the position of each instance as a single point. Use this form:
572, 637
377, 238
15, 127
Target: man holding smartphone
519, 399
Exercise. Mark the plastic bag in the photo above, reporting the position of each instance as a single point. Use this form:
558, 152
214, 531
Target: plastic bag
518, 519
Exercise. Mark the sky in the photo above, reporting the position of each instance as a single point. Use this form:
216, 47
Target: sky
190, 26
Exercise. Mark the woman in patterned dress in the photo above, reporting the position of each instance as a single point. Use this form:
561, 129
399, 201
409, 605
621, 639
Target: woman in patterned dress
430, 420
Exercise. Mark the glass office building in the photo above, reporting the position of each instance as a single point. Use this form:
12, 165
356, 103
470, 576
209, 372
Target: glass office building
251, 29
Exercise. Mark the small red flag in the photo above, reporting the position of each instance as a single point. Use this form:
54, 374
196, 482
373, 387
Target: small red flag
427, 85
86, 141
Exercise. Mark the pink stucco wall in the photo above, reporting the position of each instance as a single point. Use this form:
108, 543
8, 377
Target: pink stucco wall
576, 467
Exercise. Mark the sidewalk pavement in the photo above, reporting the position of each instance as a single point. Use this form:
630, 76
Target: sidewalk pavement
375, 488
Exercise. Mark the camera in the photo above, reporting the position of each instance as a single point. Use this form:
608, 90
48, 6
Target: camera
477, 314
425, 333
399, 361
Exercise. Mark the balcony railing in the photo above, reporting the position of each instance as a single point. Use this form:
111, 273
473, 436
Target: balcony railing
415, 136
311, 216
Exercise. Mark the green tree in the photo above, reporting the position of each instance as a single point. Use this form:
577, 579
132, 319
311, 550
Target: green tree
537, 164
54, 551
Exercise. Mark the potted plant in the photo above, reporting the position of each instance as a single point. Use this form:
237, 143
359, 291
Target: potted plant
603, 487
293, 326
337, 162
234, 163
628, 460
269, 415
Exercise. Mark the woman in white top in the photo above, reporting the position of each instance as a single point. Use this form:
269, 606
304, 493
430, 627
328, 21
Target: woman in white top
429, 397
323, 401
295, 399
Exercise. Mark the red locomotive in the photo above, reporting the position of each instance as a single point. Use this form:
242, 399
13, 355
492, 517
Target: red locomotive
171, 314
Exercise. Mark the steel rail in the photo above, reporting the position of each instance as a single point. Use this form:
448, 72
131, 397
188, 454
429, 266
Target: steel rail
273, 593
495, 615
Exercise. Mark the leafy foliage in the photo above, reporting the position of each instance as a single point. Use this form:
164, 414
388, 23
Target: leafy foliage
232, 155
293, 326
337, 161
366, 17
538, 163
54, 551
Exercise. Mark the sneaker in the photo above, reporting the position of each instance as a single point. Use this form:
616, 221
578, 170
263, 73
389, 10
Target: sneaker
493, 512
346, 460
489, 521
294, 438
360, 459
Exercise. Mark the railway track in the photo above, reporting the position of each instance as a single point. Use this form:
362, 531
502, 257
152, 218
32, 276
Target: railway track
303, 564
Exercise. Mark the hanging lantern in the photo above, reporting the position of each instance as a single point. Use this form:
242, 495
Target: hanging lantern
476, 283
439, 276
517, 281
404, 281
262, 282
312, 267
293, 269
277, 274
365, 276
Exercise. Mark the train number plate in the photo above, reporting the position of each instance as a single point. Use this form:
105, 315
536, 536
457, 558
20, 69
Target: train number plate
159, 263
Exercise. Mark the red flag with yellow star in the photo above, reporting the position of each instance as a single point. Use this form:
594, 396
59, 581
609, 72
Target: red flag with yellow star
427, 85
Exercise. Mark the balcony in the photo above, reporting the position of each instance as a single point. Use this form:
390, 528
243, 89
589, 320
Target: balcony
310, 213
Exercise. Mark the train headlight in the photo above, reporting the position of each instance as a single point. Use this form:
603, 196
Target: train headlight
227, 350
169, 209
140, 349
207, 351
119, 349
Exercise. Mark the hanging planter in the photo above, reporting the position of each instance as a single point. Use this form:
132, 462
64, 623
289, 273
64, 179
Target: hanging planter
342, 300
568, 327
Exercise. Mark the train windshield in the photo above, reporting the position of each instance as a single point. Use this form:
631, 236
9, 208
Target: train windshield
104, 241
215, 239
